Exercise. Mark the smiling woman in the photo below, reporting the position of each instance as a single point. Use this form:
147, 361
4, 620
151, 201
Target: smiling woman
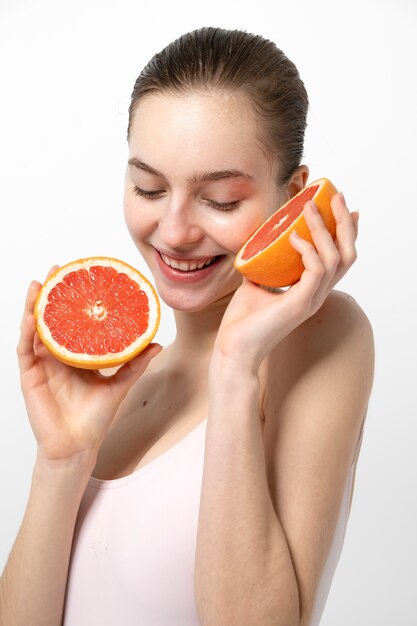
198, 184
214, 487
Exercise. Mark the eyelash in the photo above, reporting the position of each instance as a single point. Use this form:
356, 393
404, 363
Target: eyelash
222, 206
145, 194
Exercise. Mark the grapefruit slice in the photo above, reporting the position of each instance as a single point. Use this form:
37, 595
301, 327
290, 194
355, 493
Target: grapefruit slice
267, 257
96, 313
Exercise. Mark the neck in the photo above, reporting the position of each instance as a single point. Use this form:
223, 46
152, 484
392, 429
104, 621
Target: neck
196, 334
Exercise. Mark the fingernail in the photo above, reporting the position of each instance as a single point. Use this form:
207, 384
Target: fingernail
342, 197
314, 207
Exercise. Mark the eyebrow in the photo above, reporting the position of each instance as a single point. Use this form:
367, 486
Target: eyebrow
196, 178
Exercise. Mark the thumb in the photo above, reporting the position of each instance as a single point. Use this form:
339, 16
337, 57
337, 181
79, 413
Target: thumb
355, 215
133, 369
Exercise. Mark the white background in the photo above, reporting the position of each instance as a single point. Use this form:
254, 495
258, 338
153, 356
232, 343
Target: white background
67, 72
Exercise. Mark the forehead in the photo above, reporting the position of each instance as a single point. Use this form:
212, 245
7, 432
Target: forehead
179, 134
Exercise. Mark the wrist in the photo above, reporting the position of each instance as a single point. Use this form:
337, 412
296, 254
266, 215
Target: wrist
231, 370
234, 394
57, 472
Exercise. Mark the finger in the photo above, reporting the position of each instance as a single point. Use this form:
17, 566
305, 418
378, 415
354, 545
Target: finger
355, 217
37, 342
53, 269
322, 238
132, 370
31, 295
25, 350
345, 231
314, 270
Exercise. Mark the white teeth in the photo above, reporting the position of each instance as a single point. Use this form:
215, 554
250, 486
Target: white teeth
185, 267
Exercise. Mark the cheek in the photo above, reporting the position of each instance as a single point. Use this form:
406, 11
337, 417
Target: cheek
238, 231
255, 214
129, 217
137, 220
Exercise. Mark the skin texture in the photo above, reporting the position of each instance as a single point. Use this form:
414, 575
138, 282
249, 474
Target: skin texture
259, 359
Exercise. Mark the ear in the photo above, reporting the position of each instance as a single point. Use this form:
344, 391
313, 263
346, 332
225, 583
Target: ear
298, 180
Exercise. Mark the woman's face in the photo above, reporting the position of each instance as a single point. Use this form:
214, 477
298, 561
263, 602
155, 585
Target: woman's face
197, 186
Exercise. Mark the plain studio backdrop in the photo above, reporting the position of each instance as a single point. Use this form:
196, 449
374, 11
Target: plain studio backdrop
67, 72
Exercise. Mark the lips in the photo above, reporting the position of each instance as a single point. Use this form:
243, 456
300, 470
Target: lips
187, 276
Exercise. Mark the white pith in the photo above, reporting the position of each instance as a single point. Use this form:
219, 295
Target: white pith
98, 311
281, 221
182, 265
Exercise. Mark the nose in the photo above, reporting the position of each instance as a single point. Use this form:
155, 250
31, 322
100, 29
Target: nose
179, 225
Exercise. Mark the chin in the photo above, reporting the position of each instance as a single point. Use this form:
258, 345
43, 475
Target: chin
190, 301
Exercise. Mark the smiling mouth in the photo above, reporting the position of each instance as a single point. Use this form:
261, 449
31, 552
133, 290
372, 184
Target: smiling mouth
182, 266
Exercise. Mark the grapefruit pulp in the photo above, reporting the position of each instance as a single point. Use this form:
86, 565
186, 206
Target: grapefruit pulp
267, 258
97, 312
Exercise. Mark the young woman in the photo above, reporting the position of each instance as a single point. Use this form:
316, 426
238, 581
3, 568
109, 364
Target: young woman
213, 488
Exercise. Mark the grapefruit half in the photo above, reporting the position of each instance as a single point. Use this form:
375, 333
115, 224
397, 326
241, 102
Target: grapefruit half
97, 312
267, 257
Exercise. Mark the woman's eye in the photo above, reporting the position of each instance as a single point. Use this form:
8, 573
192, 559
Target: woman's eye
147, 194
223, 206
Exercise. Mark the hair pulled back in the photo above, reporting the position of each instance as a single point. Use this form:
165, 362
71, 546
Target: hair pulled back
234, 60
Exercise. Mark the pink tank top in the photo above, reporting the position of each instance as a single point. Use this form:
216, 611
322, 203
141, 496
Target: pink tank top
133, 551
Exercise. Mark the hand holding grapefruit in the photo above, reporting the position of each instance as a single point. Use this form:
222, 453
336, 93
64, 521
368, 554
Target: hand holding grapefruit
267, 258
97, 312
70, 409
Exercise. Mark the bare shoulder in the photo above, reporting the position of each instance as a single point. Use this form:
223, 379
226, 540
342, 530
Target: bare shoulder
340, 316
337, 341
342, 307
340, 328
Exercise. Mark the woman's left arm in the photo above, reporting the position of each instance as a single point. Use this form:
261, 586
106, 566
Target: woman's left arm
245, 572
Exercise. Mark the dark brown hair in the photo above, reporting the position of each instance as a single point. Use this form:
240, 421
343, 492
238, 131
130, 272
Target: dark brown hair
234, 60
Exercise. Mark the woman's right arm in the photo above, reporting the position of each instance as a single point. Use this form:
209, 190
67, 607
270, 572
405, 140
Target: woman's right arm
34, 580
70, 412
